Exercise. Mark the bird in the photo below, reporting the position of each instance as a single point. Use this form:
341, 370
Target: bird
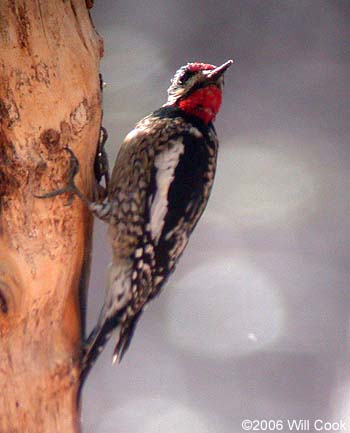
158, 190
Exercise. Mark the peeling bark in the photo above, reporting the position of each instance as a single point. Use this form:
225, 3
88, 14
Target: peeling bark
49, 99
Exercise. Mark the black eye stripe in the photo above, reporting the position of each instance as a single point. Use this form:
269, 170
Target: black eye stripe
185, 76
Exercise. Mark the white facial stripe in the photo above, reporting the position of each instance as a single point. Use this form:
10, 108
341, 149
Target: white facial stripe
165, 163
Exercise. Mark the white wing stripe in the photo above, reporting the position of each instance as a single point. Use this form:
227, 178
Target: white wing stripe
165, 163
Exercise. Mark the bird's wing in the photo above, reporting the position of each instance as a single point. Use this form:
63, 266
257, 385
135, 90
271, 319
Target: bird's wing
181, 179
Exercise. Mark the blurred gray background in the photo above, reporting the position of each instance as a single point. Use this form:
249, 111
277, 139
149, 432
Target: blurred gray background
255, 321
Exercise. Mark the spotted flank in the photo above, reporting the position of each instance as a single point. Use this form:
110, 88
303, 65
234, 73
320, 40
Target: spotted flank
138, 253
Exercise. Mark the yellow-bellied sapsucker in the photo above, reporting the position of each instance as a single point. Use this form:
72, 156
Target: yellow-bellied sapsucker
159, 188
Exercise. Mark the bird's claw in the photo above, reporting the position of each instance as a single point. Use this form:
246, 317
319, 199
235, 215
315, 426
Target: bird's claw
101, 167
70, 188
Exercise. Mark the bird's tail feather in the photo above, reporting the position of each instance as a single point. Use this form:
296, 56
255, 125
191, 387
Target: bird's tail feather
125, 337
96, 342
100, 336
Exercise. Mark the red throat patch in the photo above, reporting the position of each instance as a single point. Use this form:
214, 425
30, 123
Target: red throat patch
203, 103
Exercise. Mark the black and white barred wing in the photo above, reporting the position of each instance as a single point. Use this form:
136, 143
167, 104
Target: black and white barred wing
180, 185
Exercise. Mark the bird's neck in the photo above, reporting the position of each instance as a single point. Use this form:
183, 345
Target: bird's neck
203, 103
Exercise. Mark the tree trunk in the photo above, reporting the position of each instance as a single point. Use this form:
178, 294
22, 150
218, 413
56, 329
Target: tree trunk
49, 99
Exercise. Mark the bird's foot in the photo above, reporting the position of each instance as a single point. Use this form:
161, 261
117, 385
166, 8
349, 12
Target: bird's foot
71, 187
101, 168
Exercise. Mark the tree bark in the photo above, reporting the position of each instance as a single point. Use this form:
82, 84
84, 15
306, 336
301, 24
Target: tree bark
49, 99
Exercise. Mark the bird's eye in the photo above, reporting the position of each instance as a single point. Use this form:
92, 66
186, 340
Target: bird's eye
185, 76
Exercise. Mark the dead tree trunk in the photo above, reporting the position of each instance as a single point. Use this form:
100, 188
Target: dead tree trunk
49, 99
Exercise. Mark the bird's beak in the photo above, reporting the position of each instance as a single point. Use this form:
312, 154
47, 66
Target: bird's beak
214, 74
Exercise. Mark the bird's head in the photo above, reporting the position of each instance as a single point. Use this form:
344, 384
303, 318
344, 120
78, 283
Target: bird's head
197, 89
